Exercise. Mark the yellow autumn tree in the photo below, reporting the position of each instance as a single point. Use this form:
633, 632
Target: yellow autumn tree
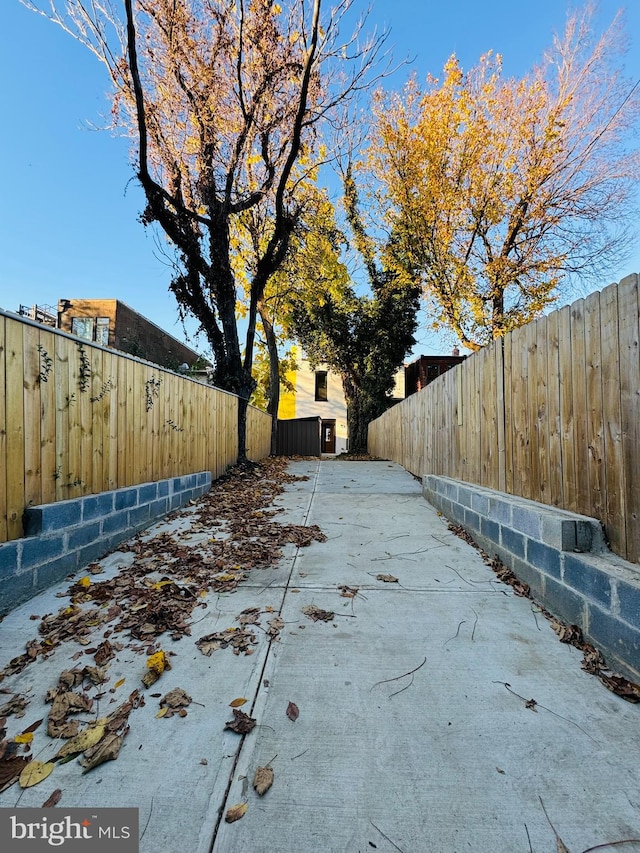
498, 188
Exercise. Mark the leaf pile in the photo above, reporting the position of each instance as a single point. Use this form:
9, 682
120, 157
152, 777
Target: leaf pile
592, 660
240, 640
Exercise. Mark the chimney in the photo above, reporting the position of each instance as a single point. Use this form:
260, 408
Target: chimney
455, 351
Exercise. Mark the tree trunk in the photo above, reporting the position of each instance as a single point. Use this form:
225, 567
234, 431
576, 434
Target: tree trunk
273, 394
357, 423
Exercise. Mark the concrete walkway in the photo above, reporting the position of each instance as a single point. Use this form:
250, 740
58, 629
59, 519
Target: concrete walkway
407, 737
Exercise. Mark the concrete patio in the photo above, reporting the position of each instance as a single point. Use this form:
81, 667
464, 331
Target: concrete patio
415, 730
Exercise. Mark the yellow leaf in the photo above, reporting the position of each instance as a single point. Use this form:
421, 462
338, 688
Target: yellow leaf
119, 683
86, 739
225, 577
235, 812
85, 582
162, 711
237, 703
157, 662
27, 737
160, 584
34, 773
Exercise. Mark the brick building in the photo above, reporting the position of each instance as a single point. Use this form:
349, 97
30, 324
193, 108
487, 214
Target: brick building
114, 324
426, 368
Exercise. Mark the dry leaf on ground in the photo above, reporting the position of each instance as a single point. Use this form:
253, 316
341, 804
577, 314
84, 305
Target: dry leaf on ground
53, 800
274, 626
107, 749
263, 779
293, 712
348, 591
86, 739
236, 812
174, 702
249, 616
237, 703
35, 772
240, 640
387, 578
11, 767
242, 723
317, 614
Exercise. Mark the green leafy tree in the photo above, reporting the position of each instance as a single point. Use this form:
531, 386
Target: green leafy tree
362, 338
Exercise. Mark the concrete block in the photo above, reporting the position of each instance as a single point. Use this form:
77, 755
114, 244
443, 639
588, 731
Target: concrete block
95, 506
544, 558
115, 522
15, 590
530, 575
125, 498
500, 510
179, 484
50, 518
91, 553
614, 637
490, 529
465, 495
82, 535
564, 602
40, 549
9, 558
139, 515
587, 579
559, 533
513, 541
55, 571
163, 488
158, 508
147, 493
480, 503
175, 501
629, 600
204, 478
526, 520
471, 519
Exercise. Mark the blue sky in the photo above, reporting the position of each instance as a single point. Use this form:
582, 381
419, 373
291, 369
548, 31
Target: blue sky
69, 217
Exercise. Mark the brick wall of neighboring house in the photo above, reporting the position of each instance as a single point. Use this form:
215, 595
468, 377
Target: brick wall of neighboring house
426, 368
112, 323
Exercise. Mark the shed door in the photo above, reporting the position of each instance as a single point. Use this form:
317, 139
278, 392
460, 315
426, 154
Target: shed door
328, 437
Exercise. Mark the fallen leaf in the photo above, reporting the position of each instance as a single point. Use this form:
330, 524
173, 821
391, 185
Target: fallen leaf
53, 800
316, 613
293, 712
274, 626
348, 591
35, 772
107, 749
530, 703
85, 582
119, 683
10, 769
25, 737
242, 723
387, 578
158, 662
16, 706
162, 712
263, 779
249, 616
32, 727
236, 812
86, 739
237, 703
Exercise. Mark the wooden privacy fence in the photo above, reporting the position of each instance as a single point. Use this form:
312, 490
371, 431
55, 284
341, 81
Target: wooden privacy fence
550, 412
78, 419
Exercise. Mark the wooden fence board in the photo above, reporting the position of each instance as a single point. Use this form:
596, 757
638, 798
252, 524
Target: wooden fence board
579, 392
47, 420
595, 414
32, 421
15, 430
541, 477
614, 472
555, 494
567, 421
629, 331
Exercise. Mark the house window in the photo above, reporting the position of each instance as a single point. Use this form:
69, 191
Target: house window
433, 371
102, 331
83, 327
321, 386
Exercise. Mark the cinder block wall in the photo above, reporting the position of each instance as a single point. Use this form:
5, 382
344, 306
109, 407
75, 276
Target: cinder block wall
64, 537
561, 555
